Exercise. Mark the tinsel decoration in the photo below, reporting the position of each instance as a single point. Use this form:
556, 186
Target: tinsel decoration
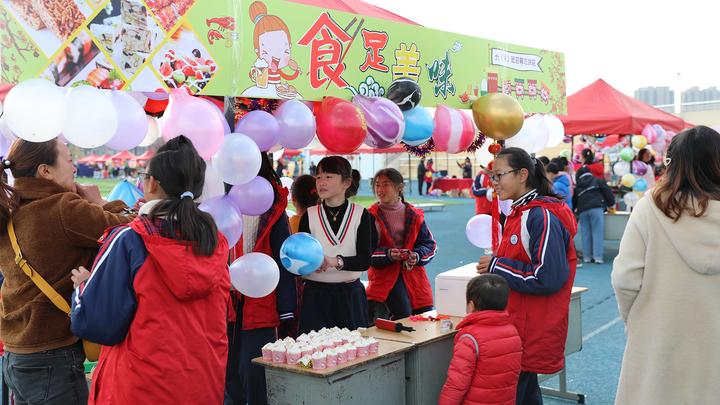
421, 150
477, 143
244, 105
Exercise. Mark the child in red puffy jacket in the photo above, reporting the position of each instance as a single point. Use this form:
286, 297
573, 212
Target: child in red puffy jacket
486, 359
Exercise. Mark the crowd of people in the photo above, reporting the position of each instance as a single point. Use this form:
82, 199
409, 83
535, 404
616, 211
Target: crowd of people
150, 283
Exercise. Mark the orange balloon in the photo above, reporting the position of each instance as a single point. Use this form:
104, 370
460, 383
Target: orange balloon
341, 125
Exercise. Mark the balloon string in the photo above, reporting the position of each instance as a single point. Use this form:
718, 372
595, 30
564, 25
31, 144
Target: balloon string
495, 222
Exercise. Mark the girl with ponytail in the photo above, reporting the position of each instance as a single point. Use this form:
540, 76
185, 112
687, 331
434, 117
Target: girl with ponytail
536, 256
158, 293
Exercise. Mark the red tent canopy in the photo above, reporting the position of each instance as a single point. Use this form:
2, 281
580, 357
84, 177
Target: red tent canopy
102, 158
89, 159
601, 109
122, 156
291, 153
356, 7
146, 156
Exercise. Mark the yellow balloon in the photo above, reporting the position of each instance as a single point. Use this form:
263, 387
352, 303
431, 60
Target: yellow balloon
639, 141
498, 116
628, 180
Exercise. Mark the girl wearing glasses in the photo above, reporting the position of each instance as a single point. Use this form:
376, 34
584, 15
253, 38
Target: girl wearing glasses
537, 258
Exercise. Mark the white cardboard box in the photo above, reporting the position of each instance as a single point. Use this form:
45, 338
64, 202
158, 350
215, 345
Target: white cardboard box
450, 290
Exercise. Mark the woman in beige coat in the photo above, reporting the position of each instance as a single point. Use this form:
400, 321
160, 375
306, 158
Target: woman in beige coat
667, 281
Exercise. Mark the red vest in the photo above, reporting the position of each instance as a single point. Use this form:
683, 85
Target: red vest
383, 280
175, 351
541, 320
261, 312
493, 368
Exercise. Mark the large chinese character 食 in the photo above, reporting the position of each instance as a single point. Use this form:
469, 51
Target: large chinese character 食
327, 40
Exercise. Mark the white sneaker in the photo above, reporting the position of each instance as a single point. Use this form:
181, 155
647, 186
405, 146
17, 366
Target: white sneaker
599, 261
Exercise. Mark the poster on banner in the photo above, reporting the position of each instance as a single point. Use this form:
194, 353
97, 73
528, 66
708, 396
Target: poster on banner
264, 49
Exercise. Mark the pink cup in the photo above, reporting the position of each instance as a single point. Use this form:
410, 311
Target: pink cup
332, 360
293, 357
279, 356
374, 347
319, 363
363, 350
307, 351
267, 354
352, 353
342, 355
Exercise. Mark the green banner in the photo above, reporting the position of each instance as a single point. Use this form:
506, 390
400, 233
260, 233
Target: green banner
268, 49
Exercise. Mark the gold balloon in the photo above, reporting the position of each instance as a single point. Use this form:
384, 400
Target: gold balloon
498, 116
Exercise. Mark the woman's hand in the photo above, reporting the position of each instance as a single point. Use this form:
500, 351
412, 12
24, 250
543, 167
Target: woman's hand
484, 264
79, 276
396, 254
90, 192
328, 262
412, 260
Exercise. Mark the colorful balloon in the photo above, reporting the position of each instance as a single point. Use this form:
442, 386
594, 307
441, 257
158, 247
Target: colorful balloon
227, 219
533, 136
640, 141
238, 161
498, 116
301, 254
254, 274
296, 124
649, 133
261, 127
639, 168
132, 125
341, 125
220, 114
555, 129
640, 185
254, 197
153, 132
405, 93
91, 118
627, 154
454, 130
214, 186
479, 231
630, 199
628, 180
621, 168
385, 122
28, 99
195, 118
419, 126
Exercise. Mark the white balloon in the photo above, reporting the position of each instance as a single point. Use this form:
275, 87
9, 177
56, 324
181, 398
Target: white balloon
35, 110
255, 274
91, 119
153, 132
214, 186
556, 131
630, 199
238, 161
479, 231
533, 136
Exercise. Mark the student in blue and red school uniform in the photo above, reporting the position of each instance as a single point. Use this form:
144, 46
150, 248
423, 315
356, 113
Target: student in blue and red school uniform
536, 256
398, 280
254, 322
334, 295
158, 293
480, 187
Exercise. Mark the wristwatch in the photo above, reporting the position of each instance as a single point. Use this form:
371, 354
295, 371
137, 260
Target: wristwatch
341, 262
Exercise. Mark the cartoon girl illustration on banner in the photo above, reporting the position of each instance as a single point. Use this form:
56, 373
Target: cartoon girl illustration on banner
274, 66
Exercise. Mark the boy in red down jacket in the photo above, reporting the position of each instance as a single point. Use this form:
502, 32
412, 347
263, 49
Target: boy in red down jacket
486, 359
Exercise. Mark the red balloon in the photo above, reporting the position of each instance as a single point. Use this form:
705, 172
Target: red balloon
341, 125
610, 140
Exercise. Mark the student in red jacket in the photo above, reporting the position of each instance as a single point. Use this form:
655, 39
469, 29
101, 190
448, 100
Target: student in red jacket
536, 256
485, 365
158, 293
397, 273
480, 187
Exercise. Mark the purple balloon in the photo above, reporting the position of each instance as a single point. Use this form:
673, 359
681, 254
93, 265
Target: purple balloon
228, 220
261, 127
254, 197
385, 121
296, 124
133, 123
639, 168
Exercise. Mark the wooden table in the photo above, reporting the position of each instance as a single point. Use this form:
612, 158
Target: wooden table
377, 379
426, 365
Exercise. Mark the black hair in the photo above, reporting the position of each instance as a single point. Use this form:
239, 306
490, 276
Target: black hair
268, 173
179, 169
553, 168
394, 176
304, 192
642, 153
588, 156
544, 160
339, 165
488, 292
519, 159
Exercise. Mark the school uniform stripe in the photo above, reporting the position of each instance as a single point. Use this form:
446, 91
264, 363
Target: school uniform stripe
109, 244
324, 226
346, 221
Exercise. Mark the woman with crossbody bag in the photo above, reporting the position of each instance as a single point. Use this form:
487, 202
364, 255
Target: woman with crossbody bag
56, 225
591, 199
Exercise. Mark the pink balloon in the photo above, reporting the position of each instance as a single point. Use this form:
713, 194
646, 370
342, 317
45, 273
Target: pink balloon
261, 127
221, 115
454, 130
385, 122
579, 147
196, 119
296, 124
254, 197
133, 124
649, 133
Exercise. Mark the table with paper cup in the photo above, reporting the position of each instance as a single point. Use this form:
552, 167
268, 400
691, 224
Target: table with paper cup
377, 379
450, 299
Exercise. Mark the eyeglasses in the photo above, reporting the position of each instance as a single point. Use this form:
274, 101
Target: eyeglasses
667, 161
145, 175
497, 176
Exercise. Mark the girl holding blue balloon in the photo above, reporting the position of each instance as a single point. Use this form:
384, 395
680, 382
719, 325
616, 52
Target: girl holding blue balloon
254, 322
398, 281
333, 295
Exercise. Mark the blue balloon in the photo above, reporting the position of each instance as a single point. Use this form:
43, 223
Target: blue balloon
301, 254
640, 185
419, 126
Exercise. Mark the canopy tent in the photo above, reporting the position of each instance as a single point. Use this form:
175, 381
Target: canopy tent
89, 159
356, 7
102, 158
146, 156
123, 156
601, 109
